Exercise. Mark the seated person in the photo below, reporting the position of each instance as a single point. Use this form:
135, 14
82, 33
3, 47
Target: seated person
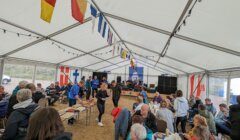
149, 118
138, 132
221, 120
17, 123
4, 100
209, 117
157, 98
234, 117
3, 94
52, 93
165, 114
46, 124
200, 130
39, 88
210, 107
194, 108
137, 106
37, 96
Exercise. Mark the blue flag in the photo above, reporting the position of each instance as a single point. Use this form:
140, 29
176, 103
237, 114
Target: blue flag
102, 25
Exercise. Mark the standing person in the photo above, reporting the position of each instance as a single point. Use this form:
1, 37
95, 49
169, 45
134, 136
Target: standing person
116, 93
234, 117
88, 87
165, 114
181, 107
94, 84
210, 107
101, 98
73, 94
81, 89
143, 93
46, 124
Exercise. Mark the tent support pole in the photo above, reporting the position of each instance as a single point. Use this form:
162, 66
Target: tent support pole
56, 73
207, 85
147, 74
34, 74
228, 88
1, 70
187, 86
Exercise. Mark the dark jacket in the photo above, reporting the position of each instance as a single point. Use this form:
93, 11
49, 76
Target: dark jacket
63, 136
150, 121
122, 123
12, 102
198, 102
3, 107
234, 117
100, 95
116, 92
37, 96
17, 123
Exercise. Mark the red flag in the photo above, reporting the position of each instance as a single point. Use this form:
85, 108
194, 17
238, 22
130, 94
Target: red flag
78, 9
191, 84
64, 75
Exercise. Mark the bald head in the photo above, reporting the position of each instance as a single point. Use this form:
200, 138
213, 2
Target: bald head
144, 110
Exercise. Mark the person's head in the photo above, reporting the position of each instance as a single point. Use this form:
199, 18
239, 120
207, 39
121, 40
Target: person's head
157, 94
22, 84
56, 83
103, 78
39, 85
164, 104
138, 132
208, 101
113, 83
143, 88
238, 99
199, 120
223, 107
197, 98
1, 89
179, 93
201, 132
52, 85
201, 107
45, 123
139, 99
23, 95
81, 83
95, 77
137, 119
90, 77
31, 86
144, 110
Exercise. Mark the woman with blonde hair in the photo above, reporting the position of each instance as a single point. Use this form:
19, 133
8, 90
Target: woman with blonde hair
165, 114
200, 130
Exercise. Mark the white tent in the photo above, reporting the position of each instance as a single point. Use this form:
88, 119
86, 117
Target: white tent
208, 43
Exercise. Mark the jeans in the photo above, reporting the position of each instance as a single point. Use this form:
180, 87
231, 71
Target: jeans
223, 128
115, 102
183, 121
94, 89
72, 102
101, 109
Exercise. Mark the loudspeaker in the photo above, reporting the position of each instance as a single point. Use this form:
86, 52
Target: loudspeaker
119, 79
167, 85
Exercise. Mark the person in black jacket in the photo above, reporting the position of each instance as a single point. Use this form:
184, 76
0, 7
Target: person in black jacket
116, 93
234, 117
46, 124
149, 118
101, 98
17, 122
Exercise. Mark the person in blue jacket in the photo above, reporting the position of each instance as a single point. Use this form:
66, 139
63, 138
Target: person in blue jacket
94, 84
73, 94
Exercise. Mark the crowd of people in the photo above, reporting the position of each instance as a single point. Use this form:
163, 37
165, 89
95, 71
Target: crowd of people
27, 119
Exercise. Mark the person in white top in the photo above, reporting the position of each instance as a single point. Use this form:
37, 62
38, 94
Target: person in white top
137, 106
181, 106
165, 114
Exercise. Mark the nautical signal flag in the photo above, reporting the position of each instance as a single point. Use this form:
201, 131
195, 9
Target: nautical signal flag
94, 15
47, 7
78, 9
110, 37
102, 25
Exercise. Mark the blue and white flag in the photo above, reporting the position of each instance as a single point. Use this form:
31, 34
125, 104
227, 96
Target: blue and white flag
94, 15
110, 37
102, 25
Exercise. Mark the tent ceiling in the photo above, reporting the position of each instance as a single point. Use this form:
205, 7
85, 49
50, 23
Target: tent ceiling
208, 42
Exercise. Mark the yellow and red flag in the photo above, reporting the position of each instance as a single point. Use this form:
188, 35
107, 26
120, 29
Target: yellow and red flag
78, 9
47, 7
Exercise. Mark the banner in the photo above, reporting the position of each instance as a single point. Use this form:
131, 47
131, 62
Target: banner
64, 75
197, 86
136, 74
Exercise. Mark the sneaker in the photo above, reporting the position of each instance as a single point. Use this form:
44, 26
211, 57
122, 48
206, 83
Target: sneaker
100, 124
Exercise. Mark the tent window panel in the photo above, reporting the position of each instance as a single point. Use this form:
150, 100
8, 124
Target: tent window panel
45, 76
234, 90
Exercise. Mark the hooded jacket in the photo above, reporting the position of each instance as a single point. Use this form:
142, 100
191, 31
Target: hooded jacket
63, 136
210, 120
17, 123
234, 116
181, 106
